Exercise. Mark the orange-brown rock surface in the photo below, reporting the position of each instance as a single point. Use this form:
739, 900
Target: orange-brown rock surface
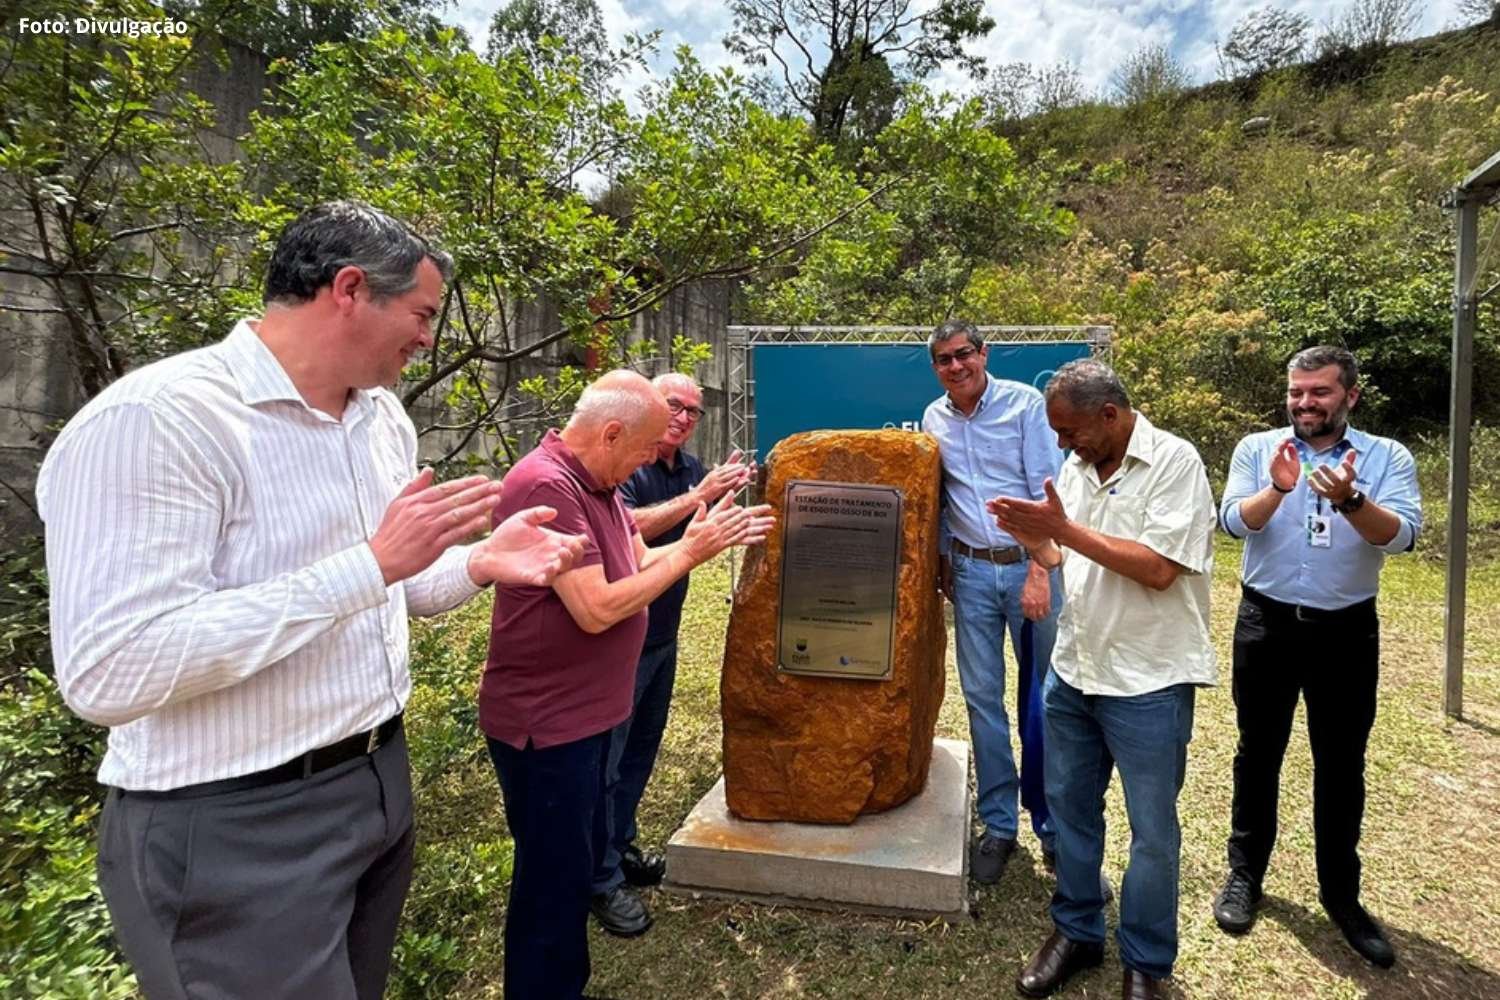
821, 749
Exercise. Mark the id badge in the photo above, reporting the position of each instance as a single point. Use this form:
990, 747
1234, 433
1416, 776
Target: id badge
1319, 531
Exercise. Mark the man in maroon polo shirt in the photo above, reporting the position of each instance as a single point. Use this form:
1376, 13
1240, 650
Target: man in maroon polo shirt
560, 673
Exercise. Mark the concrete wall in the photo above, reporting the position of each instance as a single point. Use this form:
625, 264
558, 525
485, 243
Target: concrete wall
38, 390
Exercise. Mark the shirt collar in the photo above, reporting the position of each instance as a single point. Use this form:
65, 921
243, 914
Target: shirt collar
261, 379
1141, 447
554, 445
1353, 438
1142, 444
990, 385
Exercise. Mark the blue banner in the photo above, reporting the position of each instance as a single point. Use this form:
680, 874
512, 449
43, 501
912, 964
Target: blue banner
811, 387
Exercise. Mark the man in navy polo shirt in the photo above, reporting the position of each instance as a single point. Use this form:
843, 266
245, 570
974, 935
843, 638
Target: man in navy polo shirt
1319, 509
561, 666
663, 494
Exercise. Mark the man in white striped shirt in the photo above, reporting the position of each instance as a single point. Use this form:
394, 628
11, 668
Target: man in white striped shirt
235, 537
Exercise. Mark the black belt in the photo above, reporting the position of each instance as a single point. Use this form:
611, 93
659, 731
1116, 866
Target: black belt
1303, 613
1001, 557
305, 766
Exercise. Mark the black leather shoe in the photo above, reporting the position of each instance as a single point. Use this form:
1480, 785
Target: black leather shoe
1054, 962
1235, 905
642, 868
1363, 933
1139, 986
988, 856
621, 913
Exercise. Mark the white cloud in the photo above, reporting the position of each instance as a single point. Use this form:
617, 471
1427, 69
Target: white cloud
1095, 37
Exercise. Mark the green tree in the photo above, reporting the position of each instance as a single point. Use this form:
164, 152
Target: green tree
109, 201
1148, 74
292, 29
1265, 39
546, 31
951, 195
843, 62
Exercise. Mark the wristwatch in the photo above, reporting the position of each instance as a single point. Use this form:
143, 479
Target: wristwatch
1355, 502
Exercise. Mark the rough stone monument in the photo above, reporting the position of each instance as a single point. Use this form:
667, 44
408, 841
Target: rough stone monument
832, 680
825, 749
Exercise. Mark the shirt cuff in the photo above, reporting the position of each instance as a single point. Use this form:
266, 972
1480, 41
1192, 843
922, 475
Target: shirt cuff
1406, 536
450, 581
1234, 523
351, 580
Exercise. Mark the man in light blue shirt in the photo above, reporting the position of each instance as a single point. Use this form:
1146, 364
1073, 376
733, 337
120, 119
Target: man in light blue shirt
1319, 510
995, 441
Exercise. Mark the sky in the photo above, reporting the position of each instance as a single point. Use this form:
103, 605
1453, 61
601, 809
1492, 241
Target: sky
1094, 37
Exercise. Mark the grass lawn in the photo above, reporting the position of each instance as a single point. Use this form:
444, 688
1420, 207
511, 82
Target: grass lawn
1430, 846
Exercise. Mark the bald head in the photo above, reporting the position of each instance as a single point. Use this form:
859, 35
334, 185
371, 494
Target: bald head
616, 425
618, 395
671, 382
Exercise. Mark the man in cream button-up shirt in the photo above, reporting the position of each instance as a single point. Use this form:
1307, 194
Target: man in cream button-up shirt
1133, 508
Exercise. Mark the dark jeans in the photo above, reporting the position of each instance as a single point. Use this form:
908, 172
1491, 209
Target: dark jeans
1332, 663
632, 756
551, 806
289, 890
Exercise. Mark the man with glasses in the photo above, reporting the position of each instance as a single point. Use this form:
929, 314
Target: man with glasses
995, 441
663, 494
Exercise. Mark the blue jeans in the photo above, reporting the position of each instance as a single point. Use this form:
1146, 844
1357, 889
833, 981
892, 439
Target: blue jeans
632, 756
1146, 737
987, 604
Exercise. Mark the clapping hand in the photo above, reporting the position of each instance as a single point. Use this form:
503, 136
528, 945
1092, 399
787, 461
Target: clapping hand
1334, 483
424, 520
714, 529
730, 476
1031, 522
522, 552
1286, 467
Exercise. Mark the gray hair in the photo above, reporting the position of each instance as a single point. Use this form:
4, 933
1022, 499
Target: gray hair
1086, 385
337, 234
618, 395
1323, 355
667, 381
954, 328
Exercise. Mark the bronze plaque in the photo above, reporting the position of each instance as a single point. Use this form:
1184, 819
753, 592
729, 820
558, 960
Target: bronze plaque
839, 569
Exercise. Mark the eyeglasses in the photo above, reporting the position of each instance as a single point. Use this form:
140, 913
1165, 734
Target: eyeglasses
695, 413
961, 355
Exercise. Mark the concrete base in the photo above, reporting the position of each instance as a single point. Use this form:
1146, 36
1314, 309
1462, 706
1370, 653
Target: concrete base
909, 861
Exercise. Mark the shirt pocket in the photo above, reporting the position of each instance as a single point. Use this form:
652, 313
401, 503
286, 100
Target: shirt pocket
1122, 516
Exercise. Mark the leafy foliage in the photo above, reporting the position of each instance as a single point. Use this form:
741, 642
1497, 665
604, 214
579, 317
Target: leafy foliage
1150, 73
844, 63
1265, 39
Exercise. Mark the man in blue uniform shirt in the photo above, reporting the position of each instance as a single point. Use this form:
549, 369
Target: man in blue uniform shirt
664, 494
995, 441
1319, 510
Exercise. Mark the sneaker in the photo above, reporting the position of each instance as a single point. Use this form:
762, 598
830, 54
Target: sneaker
988, 856
1234, 906
620, 912
1363, 933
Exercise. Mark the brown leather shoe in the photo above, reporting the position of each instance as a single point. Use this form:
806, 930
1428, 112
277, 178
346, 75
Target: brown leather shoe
1054, 962
1139, 986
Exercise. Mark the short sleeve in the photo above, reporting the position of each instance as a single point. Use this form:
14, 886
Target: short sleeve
1179, 515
